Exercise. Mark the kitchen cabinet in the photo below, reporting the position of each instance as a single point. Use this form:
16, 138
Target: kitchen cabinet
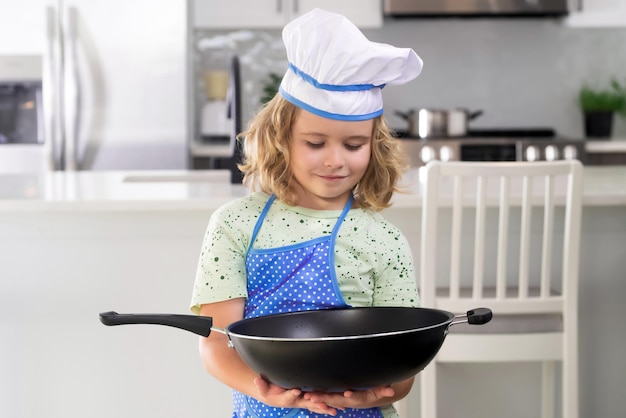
598, 14
274, 14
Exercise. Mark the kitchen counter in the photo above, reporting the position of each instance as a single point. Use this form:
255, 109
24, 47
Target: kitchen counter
614, 145
207, 190
611, 152
118, 190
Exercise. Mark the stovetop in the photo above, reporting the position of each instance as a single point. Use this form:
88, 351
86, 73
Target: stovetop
494, 144
530, 133
537, 133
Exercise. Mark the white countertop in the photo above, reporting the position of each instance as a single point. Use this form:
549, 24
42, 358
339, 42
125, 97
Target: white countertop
118, 190
206, 190
612, 146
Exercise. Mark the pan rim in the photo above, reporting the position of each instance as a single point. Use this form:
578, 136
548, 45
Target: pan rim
445, 323
338, 338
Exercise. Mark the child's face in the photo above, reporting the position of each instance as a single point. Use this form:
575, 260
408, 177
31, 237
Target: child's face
328, 158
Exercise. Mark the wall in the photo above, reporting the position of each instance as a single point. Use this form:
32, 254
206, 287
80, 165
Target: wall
521, 72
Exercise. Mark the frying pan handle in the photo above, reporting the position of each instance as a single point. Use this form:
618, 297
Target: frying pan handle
479, 316
476, 316
200, 325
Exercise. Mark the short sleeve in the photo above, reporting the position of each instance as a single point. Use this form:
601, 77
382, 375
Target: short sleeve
396, 283
221, 270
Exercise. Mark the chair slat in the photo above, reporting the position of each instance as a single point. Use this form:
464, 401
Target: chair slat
479, 237
455, 250
503, 233
548, 236
504, 307
525, 236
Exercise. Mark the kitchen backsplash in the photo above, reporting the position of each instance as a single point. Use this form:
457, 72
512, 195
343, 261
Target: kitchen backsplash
520, 72
260, 54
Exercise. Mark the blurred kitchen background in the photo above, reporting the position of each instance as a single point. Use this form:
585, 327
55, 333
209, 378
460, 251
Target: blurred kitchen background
523, 72
103, 85
166, 84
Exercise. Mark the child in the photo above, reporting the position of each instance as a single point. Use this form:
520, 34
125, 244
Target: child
326, 164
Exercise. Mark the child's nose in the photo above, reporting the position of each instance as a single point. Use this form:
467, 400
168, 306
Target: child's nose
334, 157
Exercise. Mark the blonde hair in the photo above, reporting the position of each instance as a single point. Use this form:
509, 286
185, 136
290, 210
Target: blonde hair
266, 157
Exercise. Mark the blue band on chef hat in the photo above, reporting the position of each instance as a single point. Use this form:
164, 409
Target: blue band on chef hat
331, 87
328, 115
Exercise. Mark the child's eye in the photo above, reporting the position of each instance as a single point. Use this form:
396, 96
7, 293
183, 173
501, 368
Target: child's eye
315, 144
350, 147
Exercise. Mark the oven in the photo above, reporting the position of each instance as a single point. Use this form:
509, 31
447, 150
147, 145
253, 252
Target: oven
494, 145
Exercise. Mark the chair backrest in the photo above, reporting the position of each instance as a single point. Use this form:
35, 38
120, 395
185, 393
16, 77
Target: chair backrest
491, 233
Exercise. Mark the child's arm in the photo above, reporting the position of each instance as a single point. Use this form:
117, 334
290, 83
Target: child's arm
225, 364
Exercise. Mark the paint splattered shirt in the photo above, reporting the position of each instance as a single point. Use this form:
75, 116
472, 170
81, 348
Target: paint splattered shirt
373, 261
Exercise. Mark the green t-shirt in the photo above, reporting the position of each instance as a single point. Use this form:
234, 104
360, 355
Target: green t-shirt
373, 261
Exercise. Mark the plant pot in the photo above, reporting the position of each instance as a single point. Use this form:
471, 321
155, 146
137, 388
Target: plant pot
598, 124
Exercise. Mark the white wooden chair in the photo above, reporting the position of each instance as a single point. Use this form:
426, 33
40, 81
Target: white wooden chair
509, 263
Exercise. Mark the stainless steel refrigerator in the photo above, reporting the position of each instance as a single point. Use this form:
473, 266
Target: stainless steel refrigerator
114, 77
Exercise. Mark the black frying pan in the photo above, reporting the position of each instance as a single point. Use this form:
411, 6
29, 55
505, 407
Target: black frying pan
329, 349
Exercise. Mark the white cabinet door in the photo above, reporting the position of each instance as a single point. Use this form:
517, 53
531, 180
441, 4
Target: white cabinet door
599, 13
22, 27
237, 14
363, 13
268, 14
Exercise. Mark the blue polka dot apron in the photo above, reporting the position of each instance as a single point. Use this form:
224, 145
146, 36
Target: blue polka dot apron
293, 278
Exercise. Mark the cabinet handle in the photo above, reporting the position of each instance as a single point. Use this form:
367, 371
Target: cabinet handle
279, 6
296, 6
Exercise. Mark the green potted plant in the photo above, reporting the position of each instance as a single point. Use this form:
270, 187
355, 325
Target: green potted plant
270, 87
599, 106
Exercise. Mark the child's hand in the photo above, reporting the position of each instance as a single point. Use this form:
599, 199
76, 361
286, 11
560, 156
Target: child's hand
353, 398
290, 398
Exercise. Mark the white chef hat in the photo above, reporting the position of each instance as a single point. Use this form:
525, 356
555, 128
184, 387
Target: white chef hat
336, 72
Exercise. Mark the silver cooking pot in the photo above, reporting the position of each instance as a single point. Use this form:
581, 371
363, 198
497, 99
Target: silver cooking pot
433, 123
